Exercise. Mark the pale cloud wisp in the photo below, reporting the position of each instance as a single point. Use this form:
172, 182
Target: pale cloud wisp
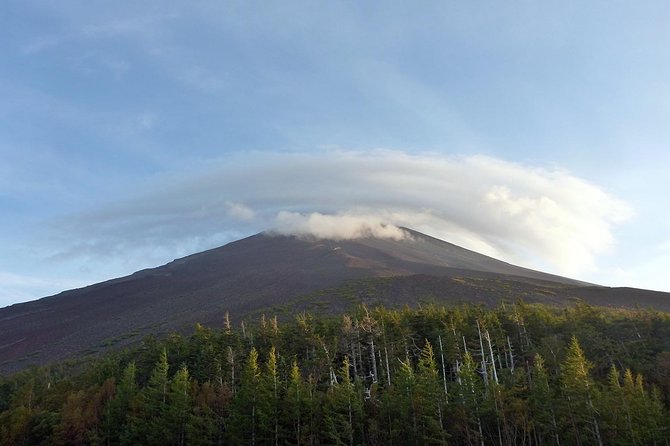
537, 217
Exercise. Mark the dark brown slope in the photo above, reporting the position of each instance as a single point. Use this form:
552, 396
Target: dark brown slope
270, 272
429, 254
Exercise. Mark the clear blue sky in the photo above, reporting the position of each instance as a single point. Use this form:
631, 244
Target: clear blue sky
132, 133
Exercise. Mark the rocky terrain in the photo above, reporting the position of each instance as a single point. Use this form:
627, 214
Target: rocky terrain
279, 275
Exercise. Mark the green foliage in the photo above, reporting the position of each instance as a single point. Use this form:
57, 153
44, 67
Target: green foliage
516, 374
578, 390
343, 411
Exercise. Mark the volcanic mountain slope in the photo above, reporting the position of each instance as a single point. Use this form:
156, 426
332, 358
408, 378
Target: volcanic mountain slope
277, 275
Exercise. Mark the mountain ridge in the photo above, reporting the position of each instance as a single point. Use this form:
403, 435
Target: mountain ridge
280, 273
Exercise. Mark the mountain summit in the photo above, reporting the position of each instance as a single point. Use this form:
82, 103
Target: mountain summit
281, 275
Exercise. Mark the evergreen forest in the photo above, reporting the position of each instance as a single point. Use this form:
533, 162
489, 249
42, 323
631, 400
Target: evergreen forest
516, 374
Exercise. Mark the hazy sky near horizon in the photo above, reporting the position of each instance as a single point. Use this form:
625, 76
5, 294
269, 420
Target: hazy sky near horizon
132, 133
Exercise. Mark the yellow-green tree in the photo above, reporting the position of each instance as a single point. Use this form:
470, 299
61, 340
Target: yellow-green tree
579, 393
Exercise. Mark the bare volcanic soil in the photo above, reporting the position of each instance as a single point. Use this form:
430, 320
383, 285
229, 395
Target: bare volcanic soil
281, 275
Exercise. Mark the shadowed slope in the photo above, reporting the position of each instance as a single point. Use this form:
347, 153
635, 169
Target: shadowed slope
263, 272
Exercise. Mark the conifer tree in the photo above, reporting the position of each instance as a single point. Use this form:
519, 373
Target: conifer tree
244, 418
579, 393
207, 422
344, 411
116, 415
203, 364
157, 388
296, 406
149, 426
469, 390
268, 401
541, 405
405, 384
646, 411
179, 399
617, 423
430, 398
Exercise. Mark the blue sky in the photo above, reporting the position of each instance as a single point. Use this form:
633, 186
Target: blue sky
132, 133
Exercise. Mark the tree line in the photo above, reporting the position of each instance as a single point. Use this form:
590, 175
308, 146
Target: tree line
517, 374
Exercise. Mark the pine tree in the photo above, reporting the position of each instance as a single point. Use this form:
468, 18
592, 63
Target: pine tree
150, 424
541, 405
405, 384
646, 411
202, 360
469, 391
344, 409
579, 392
617, 423
244, 416
207, 422
268, 401
294, 415
179, 406
115, 422
430, 398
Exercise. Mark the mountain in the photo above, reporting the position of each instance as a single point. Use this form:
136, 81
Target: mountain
280, 275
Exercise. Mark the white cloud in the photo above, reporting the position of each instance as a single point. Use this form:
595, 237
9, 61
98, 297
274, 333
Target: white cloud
240, 211
537, 217
337, 227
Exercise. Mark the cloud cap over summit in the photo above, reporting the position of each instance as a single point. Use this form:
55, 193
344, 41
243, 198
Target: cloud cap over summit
525, 214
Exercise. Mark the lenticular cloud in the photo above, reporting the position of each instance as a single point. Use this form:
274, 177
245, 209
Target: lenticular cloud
538, 217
